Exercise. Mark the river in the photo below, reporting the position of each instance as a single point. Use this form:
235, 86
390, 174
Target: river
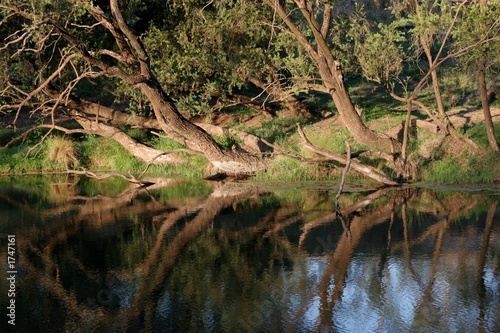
81, 255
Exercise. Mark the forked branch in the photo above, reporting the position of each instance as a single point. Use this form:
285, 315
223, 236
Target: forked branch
363, 169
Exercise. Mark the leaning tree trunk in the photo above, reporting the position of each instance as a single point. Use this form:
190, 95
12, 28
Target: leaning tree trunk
350, 117
330, 70
135, 58
195, 138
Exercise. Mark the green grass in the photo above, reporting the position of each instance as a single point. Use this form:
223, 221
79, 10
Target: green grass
60, 153
227, 141
477, 132
286, 169
277, 129
463, 169
16, 160
165, 144
105, 154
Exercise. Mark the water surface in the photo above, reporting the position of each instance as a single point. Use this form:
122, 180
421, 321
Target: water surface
180, 256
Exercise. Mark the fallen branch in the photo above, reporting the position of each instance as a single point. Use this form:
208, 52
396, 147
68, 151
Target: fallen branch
363, 169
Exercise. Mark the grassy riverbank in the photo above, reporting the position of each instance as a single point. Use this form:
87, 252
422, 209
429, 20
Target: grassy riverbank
440, 159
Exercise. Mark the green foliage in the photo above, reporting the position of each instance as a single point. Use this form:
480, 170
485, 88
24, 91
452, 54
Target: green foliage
478, 25
380, 52
210, 52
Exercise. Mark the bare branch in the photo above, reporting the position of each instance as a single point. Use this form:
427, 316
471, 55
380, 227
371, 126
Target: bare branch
293, 28
25, 134
364, 169
44, 84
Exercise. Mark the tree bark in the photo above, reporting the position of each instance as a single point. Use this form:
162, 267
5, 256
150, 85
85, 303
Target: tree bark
488, 121
196, 138
135, 58
250, 142
331, 72
138, 150
483, 93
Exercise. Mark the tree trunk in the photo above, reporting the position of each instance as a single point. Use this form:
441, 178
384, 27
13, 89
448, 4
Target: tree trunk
443, 118
406, 128
330, 70
483, 93
250, 142
134, 57
140, 151
488, 121
359, 131
196, 138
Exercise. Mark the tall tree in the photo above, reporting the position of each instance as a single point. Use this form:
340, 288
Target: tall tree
55, 34
483, 92
480, 23
310, 22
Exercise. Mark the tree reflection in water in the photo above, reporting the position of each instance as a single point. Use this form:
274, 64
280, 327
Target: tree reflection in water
179, 256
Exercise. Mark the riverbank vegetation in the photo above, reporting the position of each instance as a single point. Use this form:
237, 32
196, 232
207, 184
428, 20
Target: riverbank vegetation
219, 88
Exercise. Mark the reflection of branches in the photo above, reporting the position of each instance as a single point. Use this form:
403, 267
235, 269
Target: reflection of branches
150, 288
341, 188
177, 228
286, 216
482, 261
453, 212
358, 205
53, 287
131, 178
340, 259
385, 254
407, 246
432, 275
108, 208
104, 211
